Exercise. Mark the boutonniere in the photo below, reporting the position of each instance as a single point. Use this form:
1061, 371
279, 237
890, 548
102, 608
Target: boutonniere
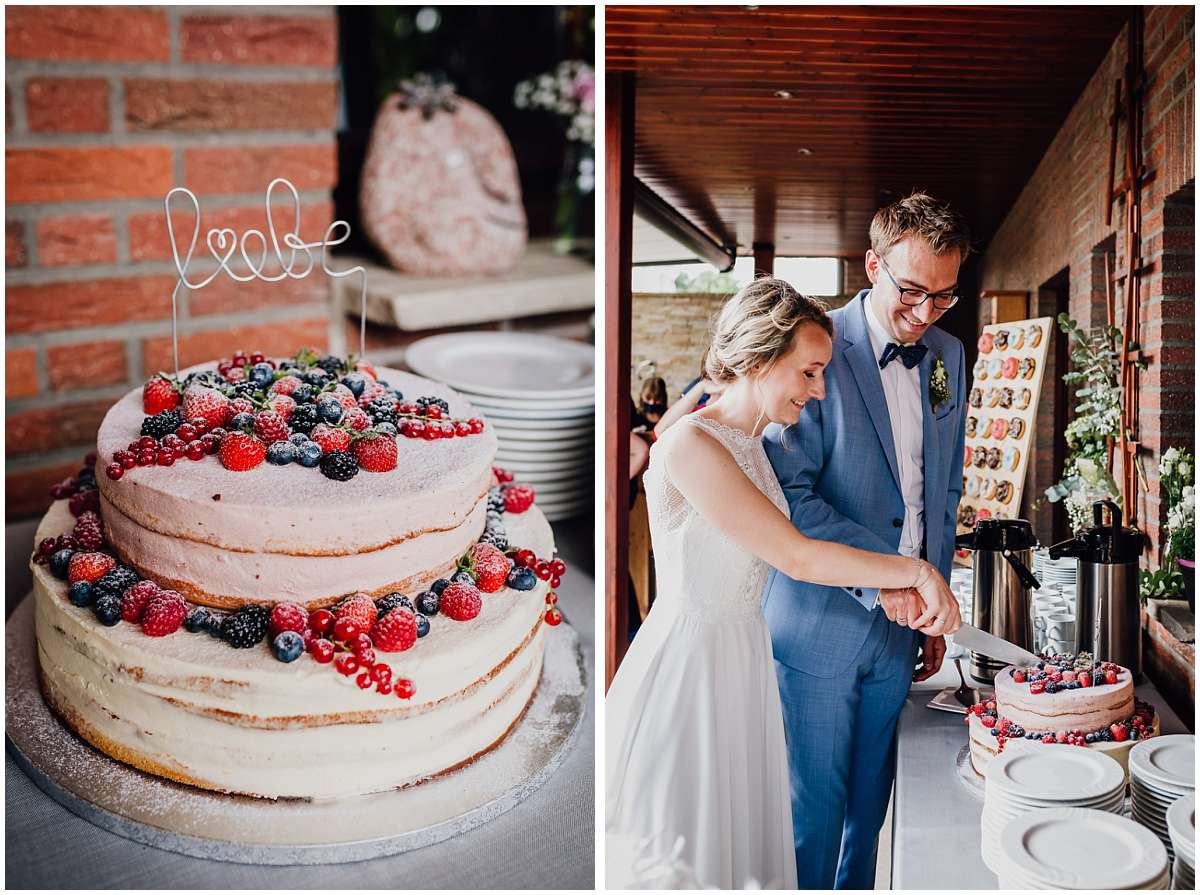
939, 383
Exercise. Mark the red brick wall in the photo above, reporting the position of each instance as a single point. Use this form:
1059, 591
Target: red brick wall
1057, 223
108, 109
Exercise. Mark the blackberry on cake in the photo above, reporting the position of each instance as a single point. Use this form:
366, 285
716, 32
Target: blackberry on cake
391, 601
247, 627
339, 466
162, 423
107, 610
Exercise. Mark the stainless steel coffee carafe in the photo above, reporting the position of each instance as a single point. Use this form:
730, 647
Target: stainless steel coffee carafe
1003, 553
1108, 621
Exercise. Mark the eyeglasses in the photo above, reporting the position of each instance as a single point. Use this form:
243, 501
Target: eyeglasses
943, 301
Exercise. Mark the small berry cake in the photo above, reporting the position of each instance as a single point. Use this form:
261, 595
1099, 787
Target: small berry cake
1063, 700
293, 578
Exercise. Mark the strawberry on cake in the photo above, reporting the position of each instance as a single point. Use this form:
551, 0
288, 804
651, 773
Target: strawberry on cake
1067, 700
293, 578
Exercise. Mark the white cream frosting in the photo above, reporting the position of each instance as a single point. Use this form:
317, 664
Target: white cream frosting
241, 721
985, 747
281, 512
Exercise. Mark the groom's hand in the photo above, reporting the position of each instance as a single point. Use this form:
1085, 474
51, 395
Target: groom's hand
933, 649
901, 605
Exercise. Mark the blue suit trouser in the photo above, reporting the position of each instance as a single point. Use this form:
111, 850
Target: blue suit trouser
841, 742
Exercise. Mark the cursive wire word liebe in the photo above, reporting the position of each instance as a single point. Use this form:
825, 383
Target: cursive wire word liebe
294, 257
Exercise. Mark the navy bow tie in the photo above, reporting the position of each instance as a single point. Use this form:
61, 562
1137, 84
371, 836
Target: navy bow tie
910, 354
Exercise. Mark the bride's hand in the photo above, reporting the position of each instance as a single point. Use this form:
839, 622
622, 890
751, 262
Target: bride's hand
941, 614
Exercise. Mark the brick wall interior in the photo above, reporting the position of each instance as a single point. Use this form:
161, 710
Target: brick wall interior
1057, 225
108, 109
672, 329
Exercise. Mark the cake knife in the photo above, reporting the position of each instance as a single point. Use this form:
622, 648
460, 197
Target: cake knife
990, 645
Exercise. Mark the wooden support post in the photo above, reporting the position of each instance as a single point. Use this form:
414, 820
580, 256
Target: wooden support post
764, 259
1112, 154
618, 312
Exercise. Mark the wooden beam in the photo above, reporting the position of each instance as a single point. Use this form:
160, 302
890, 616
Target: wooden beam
764, 259
618, 313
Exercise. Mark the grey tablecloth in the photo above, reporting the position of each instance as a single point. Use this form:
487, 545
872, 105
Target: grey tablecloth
935, 826
546, 842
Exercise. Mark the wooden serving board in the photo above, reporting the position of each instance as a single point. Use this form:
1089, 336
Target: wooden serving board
994, 471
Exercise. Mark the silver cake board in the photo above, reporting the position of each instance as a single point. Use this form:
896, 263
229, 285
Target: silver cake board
196, 822
966, 772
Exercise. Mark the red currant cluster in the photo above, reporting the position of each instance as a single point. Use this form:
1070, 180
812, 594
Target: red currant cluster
49, 546
234, 369
550, 570
343, 642
412, 423
193, 440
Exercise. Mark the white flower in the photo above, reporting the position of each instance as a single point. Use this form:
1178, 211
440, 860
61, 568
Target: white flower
1185, 470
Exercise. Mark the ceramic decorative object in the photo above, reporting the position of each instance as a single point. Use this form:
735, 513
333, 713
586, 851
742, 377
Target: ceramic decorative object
440, 192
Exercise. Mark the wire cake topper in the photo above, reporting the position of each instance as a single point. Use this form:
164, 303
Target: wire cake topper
294, 256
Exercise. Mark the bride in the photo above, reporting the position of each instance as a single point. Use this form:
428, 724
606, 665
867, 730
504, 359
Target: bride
696, 767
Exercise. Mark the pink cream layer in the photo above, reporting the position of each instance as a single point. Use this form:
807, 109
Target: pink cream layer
288, 532
1085, 709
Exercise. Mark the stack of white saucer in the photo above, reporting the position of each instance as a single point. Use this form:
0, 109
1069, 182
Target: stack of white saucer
1079, 848
1181, 824
1162, 770
1020, 781
538, 394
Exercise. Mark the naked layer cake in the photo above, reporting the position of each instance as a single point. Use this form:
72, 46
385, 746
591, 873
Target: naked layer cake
293, 578
1064, 700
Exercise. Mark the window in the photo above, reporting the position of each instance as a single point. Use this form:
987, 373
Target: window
810, 276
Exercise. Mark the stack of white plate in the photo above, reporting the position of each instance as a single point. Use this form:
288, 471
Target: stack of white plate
1162, 770
1079, 848
538, 393
1020, 780
1062, 571
1181, 824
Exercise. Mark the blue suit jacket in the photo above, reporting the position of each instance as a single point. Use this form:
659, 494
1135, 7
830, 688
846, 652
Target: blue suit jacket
838, 469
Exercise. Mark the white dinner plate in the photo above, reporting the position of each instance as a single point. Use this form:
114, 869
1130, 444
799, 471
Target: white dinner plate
506, 364
539, 413
548, 491
1079, 848
1166, 762
1149, 799
554, 479
550, 439
523, 452
542, 465
1054, 775
1181, 821
510, 424
1164, 796
531, 402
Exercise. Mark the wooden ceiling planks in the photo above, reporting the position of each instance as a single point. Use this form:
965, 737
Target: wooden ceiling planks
961, 101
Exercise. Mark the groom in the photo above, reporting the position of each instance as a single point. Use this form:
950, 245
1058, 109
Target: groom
876, 465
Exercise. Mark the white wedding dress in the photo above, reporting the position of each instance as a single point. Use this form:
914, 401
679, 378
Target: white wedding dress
694, 729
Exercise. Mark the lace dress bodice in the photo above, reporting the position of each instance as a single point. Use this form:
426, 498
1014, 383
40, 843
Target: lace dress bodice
700, 571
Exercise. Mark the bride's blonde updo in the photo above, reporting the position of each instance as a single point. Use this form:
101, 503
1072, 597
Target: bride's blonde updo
756, 326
